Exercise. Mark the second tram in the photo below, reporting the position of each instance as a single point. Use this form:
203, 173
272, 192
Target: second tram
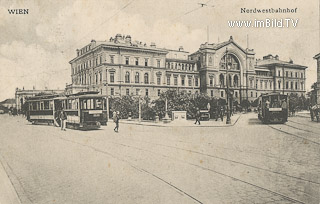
273, 108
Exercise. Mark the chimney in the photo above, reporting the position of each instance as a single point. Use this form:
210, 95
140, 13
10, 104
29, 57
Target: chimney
153, 44
276, 57
78, 52
128, 39
93, 43
118, 38
231, 38
181, 48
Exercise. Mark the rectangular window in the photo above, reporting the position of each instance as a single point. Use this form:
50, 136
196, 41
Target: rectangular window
291, 85
189, 81
127, 92
287, 74
112, 91
111, 77
127, 60
296, 85
182, 81
146, 62
158, 63
221, 94
196, 82
159, 91
137, 92
175, 81
287, 85
211, 82
147, 92
279, 73
137, 61
158, 80
100, 77
112, 59
211, 93
251, 94
168, 80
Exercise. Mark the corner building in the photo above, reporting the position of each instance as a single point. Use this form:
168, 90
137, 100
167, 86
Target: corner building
121, 66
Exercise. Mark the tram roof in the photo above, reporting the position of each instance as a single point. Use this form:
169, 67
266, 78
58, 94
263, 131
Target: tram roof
272, 94
42, 97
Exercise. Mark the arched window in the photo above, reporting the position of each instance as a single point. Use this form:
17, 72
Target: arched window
232, 62
137, 78
127, 77
221, 77
236, 81
146, 78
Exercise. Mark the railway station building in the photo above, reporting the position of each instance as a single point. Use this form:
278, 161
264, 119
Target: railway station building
121, 66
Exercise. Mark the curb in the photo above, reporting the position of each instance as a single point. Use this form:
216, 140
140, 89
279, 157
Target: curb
8, 194
162, 125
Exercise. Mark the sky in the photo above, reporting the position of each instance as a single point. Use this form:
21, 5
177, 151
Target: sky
35, 48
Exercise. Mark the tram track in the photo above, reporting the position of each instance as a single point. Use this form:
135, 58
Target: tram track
182, 161
294, 135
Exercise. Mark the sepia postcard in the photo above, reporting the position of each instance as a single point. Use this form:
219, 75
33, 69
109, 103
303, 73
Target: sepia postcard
159, 101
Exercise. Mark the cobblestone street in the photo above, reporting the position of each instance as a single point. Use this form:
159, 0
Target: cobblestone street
249, 162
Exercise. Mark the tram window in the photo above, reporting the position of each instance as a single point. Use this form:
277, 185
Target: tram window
46, 105
98, 103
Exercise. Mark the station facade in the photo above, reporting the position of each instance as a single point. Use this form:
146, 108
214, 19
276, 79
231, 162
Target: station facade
121, 66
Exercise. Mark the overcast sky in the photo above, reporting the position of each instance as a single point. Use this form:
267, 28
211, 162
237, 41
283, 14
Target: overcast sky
35, 48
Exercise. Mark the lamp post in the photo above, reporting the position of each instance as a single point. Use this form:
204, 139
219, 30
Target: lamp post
228, 121
139, 93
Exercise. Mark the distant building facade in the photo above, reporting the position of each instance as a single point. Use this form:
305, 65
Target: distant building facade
22, 94
121, 66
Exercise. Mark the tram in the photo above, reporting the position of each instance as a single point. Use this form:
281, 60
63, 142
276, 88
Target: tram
273, 108
84, 110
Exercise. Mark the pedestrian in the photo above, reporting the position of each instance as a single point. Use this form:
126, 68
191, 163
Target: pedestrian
311, 113
197, 117
116, 119
221, 112
284, 108
217, 112
63, 119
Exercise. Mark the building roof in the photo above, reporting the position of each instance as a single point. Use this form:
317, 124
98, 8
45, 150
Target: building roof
217, 46
8, 101
317, 56
277, 62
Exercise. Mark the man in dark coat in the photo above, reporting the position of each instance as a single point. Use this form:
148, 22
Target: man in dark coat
63, 119
116, 119
197, 116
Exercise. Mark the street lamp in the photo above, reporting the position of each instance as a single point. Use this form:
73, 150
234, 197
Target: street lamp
228, 121
139, 93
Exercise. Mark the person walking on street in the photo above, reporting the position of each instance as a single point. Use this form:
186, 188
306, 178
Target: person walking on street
63, 119
197, 116
116, 119
221, 112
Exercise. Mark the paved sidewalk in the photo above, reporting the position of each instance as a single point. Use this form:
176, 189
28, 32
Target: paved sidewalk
304, 114
8, 195
187, 123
